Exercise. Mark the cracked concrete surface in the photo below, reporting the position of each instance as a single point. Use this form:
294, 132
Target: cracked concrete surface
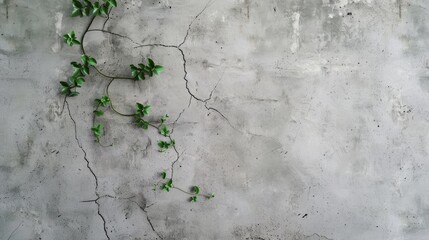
307, 119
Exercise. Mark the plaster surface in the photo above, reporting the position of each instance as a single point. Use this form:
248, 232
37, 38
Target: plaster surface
307, 119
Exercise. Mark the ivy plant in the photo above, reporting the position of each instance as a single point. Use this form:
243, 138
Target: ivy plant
71, 39
139, 72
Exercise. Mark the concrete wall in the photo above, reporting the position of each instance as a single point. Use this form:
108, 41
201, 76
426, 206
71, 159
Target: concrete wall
307, 118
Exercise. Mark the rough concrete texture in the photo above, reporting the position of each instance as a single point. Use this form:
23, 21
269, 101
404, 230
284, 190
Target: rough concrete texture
307, 119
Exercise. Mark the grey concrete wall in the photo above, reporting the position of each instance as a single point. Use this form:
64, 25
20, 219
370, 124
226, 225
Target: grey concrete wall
315, 124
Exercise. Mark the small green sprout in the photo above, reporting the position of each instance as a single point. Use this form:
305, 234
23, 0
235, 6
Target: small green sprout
139, 72
196, 189
103, 101
163, 118
163, 175
98, 113
98, 131
164, 131
166, 186
141, 123
71, 39
79, 70
194, 199
142, 110
164, 145
87, 60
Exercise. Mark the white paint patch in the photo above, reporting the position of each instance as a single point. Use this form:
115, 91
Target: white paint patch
296, 32
58, 29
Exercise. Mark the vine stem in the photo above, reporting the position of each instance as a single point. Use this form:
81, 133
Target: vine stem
82, 38
113, 78
190, 193
111, 102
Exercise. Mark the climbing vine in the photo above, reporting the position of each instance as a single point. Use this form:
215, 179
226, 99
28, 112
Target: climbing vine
138, 72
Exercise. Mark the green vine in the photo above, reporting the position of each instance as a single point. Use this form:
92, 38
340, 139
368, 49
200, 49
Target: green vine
139, 72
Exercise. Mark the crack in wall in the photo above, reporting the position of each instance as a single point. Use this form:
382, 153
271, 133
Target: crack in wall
178, 47
90, 169
148, 218
319, 236
192, 96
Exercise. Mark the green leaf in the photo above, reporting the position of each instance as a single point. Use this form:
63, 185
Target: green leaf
70, 38
165, 131
166, 186
84, 58
98, 113
85, 69
105, 100
65, 90
76, 12
196, 189
134, 71
76, 65
86, 11
141, 123
112, 3
78, 81
96, 9
97, 130
150, 63
194, 199
140, 76
104, 9
163, 118
65, 84
77, 4
92, 61
73, 94
142, 110
170, 182
163, 145
158, 69
163, 175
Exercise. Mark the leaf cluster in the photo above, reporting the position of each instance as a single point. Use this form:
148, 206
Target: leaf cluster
71, 39
98, 131
164, 145
87, 8
77, 79
140, 112
140, 71
102, 102
169, 184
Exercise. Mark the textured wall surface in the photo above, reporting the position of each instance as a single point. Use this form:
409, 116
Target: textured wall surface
307, 118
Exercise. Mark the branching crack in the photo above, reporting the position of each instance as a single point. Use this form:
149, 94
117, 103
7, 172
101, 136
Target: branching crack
319, 236
144, 209
192, 22
191, 94
89, 168
178, 47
